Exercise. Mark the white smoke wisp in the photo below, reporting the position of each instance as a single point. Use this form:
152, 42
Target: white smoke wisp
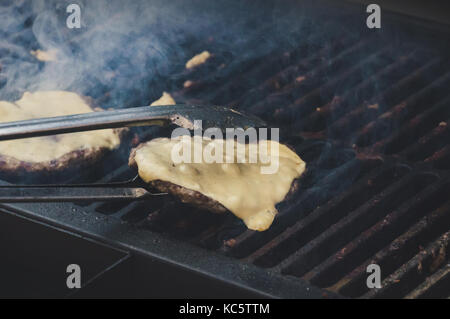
123, 48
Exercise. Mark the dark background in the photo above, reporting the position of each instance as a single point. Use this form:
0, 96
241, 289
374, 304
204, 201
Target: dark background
436, 10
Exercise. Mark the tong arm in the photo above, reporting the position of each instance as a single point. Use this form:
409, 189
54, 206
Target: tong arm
116, 191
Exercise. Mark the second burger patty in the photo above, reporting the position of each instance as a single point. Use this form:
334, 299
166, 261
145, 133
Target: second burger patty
58, 152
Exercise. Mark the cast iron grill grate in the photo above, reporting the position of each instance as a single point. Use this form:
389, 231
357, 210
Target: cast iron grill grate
380, 201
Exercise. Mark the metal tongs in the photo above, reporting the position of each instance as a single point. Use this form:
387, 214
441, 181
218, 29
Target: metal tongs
182, 115
185, 116
134, 189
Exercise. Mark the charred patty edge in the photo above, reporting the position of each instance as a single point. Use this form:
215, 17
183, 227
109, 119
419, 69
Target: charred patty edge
74, 159
189, 196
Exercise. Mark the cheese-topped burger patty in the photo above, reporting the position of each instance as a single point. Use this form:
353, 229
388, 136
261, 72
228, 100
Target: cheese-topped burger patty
52, 152
241, 188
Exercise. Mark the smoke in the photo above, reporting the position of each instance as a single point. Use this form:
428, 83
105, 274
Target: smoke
124, 49
119, 47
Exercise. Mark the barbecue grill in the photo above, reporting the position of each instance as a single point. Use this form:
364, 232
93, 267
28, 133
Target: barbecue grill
367, 109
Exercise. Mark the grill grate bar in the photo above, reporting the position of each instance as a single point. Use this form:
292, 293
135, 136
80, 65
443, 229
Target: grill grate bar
308, 200
376, 237
440, 158
217, 75
336, 236
381, 80
363, 115
414, 129
288, 78
218, 82
310, 69
322, 218
412, 273
428, 144
428, 95
290, 63
434, 286
197, 44
309, 102
400, 250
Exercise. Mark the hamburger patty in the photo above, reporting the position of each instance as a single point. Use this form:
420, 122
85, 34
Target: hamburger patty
58, 152
240, 188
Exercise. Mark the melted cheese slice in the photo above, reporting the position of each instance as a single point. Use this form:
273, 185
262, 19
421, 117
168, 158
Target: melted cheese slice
198, 59
240, 187
165, 99
50, 104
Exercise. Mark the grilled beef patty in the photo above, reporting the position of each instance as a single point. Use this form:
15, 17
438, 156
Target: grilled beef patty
235, 187
58, 152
